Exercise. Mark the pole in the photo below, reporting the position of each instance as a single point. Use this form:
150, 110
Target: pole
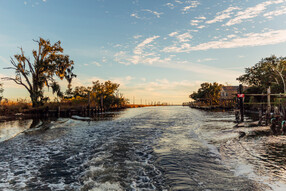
268, 99
268, 104
241, 103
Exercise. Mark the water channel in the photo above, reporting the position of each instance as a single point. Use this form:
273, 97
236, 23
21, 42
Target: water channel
152, 148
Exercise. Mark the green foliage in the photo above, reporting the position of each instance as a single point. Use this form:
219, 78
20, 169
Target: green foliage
49, 62
209, 92
81, 91
269, 71
106, 93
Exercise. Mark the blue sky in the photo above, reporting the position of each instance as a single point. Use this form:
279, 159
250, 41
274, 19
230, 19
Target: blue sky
157, 50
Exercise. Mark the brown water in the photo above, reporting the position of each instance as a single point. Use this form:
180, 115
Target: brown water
156, 148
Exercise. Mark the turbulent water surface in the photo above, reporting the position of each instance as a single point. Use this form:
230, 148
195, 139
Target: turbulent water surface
156, 148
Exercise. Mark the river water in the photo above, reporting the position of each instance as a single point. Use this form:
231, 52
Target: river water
155, 148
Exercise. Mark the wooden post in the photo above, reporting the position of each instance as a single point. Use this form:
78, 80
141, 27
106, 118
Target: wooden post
268, 99
268, 105
59, 111
88, 106
241, 105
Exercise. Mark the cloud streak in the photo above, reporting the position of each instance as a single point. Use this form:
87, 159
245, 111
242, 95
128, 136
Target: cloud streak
271, 14
248, 40
143, 14
251, 12
225, 14
139, 48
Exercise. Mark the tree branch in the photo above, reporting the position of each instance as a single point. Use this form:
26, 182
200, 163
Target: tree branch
17, 82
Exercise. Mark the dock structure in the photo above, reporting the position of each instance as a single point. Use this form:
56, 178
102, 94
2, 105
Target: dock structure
67, 112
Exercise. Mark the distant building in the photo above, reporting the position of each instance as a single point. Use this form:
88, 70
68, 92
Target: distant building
228, 92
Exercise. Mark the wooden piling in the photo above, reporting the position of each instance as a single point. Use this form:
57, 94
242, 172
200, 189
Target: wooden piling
241, 105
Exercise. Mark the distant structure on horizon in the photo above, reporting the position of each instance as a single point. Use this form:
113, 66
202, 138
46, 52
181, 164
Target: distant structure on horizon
228, 92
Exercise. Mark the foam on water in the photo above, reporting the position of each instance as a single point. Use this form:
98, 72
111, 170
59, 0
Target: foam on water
106, 186
167, 148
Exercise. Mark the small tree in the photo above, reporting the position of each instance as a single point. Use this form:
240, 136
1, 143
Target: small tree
105, 92
208, 91
48, 63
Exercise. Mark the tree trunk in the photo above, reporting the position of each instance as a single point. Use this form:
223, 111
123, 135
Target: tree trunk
34, 100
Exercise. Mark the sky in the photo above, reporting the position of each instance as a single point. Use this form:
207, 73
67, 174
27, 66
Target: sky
157, 50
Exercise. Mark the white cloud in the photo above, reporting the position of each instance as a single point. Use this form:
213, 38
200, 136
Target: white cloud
142, 14
178, 1
192, 4
135, 15
223, 15
201, 18
139, 48
123, 81
251, 12
173, 34
201, 27
120, 57
117, 45
195, 22
184, 37
137, 36
104, 60
168, 62
153, 12
170, 5
129, 78
231, 36
270, 14
206, 59
96, 63
205, 72
250, 39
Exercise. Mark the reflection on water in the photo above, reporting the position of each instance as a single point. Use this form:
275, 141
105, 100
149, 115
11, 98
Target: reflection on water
157, 148
9, 129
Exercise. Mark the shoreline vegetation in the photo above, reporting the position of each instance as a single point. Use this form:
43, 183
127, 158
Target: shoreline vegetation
264, 95
24, 110
213, 96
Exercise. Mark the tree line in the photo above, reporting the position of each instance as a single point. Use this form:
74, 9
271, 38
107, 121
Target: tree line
208, 92
101, 94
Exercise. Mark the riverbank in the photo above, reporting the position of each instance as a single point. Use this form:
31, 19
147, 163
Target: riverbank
8, 114
211, 107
